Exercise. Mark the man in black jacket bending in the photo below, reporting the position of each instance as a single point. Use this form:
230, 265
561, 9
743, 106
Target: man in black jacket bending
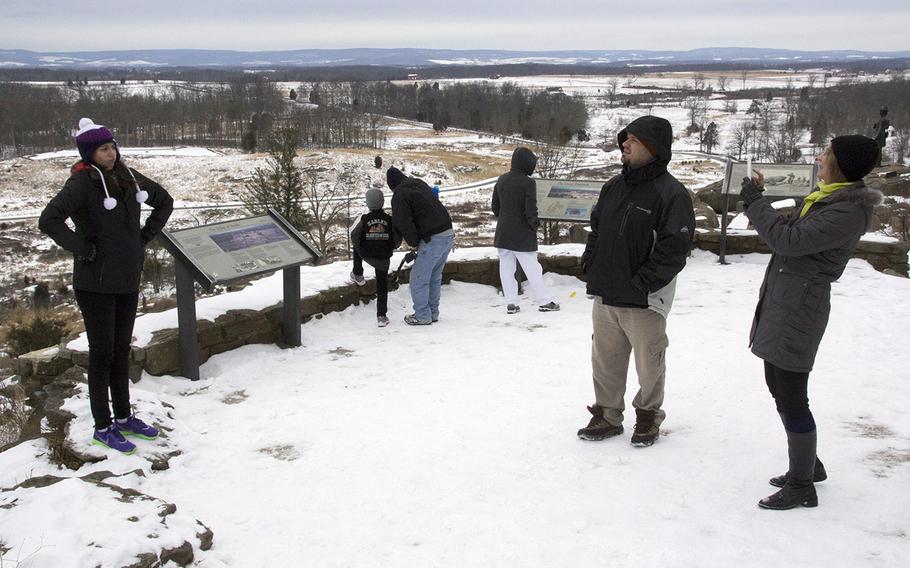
641, 232
425, 224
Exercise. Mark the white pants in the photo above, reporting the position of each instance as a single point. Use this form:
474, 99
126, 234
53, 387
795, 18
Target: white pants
532, 270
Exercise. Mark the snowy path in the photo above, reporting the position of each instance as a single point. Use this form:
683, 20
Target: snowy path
455, 445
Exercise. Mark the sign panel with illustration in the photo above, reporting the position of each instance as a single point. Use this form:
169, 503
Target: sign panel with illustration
781, 180
566, 199
225, 251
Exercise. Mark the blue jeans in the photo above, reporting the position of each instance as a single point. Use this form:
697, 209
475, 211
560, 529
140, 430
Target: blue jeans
426, 276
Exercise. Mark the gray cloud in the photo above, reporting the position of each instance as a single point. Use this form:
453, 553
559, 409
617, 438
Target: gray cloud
468, 24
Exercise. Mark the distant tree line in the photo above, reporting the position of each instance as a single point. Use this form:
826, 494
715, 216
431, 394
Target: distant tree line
503, 109
36, 118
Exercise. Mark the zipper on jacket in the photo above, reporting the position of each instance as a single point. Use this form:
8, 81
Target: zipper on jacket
625, 217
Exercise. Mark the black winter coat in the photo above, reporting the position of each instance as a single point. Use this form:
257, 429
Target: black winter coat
417, 213
515, 204
116, 235
808, 254
641, 231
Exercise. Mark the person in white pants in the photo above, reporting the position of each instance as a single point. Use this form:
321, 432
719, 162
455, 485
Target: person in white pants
515, 206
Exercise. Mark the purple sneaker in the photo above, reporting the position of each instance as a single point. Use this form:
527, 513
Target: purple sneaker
111, 437
132, 426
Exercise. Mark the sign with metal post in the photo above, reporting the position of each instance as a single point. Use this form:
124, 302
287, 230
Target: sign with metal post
224, 252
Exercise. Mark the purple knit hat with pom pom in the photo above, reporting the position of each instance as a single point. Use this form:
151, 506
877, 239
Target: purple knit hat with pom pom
90, 136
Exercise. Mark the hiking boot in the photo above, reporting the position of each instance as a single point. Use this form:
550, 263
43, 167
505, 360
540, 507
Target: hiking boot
382, 321
358, 279
132, 426
598, 428
792, 495
513, 309
549, 307
818, 475
411, 319
111, 437
646, 430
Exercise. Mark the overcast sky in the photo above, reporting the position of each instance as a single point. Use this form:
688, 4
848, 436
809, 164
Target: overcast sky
87, 25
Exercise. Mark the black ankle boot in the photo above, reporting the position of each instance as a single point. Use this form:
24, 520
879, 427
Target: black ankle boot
790, 496
818, 475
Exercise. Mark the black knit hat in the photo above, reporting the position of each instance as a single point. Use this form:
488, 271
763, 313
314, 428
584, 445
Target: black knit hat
856, 155
393, 177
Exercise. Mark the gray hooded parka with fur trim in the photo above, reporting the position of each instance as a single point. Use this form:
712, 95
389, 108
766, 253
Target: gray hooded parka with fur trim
809, 253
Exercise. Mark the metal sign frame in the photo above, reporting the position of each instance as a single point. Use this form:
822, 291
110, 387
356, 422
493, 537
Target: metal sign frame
189, 270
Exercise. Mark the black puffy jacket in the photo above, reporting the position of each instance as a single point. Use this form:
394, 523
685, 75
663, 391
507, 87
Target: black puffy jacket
417, 213
641, 228
514, 204
118, 239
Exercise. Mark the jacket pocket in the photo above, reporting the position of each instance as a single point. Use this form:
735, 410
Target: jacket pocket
789, 290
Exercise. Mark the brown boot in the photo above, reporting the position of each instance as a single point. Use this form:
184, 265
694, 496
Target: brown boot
598, 428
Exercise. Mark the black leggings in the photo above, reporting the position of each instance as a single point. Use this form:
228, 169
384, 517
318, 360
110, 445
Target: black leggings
790, 392
382, 279
109, 322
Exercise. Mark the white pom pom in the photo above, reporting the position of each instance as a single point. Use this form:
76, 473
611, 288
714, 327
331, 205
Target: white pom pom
142, 195
85, 123
110, 203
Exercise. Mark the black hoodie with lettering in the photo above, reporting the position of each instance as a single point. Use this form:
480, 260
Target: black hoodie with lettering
641, 227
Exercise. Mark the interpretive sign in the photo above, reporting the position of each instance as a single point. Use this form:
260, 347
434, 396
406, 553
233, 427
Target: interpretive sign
566, 199
240, 248
781, 180
230, 250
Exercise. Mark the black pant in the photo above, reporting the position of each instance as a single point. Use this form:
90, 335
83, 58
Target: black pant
790, 392
109, 322
382, 279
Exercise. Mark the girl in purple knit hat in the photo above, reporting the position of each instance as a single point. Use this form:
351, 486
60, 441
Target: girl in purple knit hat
103, 199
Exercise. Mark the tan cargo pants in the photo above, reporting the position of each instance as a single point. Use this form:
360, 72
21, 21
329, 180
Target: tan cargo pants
617, 333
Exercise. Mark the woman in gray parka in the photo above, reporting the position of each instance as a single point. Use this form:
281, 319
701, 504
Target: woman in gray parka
810, 247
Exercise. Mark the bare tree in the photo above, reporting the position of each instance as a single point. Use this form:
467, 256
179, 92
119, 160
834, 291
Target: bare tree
326, 201
738, 139
722, 82
612, 86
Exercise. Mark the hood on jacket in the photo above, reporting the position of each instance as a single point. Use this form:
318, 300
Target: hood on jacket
524, 161
654, 130
394, 177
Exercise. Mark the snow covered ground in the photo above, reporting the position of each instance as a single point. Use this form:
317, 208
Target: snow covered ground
454, 445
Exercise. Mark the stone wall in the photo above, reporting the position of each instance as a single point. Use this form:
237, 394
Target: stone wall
243, 327
884, 257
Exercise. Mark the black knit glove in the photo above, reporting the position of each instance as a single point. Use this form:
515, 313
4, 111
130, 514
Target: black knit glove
89, 256
411, 256
750, 192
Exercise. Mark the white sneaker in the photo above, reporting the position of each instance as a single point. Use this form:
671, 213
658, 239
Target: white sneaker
358, 279
382, 321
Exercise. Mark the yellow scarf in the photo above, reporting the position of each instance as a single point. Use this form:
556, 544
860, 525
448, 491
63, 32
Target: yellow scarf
824, 190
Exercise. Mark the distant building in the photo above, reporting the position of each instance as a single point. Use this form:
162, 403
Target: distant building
413, 76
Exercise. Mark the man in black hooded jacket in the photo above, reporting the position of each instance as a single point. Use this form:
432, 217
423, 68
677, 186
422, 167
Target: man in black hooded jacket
425, 224
641, 233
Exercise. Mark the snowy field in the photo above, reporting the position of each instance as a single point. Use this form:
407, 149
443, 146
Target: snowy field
454, 445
